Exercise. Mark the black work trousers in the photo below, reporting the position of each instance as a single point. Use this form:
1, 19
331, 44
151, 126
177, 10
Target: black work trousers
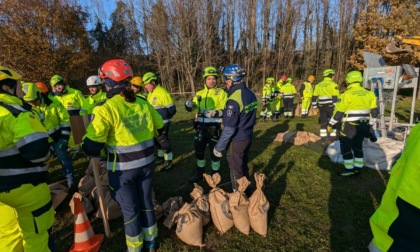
237, 157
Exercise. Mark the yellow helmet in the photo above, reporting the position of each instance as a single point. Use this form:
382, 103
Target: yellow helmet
31, 91
269, 80
137, 81
6, 73
311, 78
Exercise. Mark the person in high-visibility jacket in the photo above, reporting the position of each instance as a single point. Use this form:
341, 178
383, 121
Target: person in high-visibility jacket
24, 153
210, 102
239, 117
288, 92
268, 95
161, 100
325, 96
137, 86
94, 84
395, 224
72, 99
306, 91
126, 125
56, 121
356, 110
278, 99
10, 236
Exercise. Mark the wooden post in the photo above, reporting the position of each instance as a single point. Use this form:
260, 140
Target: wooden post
94, 162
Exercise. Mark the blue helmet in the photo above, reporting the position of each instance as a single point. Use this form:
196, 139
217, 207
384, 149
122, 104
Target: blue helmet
234, 72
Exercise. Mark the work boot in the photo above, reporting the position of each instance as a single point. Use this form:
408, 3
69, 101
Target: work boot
350, 172
262, 118
167, 165
159, 160
149, 246
275, 118
198, 175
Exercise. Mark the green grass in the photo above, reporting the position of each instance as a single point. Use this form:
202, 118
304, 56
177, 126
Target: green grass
312, 207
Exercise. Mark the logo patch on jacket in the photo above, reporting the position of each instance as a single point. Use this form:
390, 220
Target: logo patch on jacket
229, 113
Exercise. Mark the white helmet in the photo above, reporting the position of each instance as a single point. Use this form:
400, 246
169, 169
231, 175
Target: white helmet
93, 80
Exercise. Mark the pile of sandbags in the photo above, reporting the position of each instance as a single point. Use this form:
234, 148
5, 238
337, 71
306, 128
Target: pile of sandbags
225, 209
297, 137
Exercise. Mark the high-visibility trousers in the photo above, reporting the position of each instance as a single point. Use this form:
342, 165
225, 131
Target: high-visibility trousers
10, 236
35, 213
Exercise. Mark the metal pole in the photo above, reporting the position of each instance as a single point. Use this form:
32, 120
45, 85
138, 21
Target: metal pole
381, 107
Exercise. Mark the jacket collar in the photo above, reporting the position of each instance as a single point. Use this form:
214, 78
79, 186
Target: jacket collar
235, 87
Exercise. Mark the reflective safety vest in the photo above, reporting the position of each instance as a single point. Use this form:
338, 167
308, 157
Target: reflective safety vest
127, 130
161, 100
91, 101
395, 222
326, 92
54, 117
267, 92
210, 99
307, 92
288, 90
355, 104
72, 99
24, 145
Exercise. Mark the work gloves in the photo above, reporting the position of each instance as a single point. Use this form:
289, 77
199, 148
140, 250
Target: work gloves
62, 144
212, 113
217, 153
329, 128
372, 121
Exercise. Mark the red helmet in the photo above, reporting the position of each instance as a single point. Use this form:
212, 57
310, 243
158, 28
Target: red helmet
283, 77
116, 70
42, 87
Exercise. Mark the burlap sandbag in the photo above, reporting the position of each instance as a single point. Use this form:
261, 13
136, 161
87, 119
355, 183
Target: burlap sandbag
158, 209
170, 220
112, 209
86, 185
87, 205
189, 226
258, 207
202, 202
219, 204
58, 193
172, 203
238, 205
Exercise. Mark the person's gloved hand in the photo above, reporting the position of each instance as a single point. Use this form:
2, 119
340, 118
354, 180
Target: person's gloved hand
189, 105
372, 121
211, 113
62, 144
329, 128
217, 153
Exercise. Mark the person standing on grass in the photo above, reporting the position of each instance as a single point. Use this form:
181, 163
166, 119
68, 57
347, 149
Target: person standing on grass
268, 93
126, 126
356, 110
161, 100
325, 96
24, 154
278, 99
56, 121
239, 117
305, 92
94, 84
288, 92
210, 102
395, 224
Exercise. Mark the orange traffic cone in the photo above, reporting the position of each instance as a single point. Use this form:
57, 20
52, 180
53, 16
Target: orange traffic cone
84, 238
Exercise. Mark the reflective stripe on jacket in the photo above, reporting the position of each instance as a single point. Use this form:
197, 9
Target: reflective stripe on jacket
161, 100
127, 130
23, 147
